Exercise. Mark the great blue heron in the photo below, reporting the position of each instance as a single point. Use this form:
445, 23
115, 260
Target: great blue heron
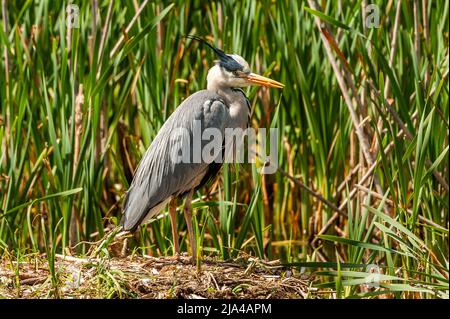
159, 179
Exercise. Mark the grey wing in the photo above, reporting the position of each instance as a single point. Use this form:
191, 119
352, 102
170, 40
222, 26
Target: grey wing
170, 166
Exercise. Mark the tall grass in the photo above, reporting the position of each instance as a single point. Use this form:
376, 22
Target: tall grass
80, 106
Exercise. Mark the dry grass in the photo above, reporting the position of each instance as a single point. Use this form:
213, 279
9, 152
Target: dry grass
149, 277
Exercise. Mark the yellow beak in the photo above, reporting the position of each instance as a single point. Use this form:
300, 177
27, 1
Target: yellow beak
262, 80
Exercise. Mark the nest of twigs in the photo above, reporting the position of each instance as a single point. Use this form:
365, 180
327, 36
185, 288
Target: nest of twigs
149, 277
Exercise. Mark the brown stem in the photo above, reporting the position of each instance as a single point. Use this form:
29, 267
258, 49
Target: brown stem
7, 135
312, 193
128, 28
73, 227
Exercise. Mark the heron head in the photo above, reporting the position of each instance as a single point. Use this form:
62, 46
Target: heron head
231, 70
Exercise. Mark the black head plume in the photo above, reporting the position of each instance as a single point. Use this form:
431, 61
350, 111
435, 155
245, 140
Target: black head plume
226, 61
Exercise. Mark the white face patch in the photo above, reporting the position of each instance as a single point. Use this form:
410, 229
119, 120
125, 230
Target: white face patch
220, 77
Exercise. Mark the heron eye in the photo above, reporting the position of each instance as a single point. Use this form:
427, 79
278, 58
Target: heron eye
238, 73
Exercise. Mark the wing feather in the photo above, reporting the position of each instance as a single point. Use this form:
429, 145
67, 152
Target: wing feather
159, 175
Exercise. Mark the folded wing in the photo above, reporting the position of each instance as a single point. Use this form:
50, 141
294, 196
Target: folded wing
172, 164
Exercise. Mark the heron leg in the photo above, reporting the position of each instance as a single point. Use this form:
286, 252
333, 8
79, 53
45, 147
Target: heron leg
173, 222
188, 217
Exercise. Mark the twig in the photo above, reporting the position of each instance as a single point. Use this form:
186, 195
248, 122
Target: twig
313, 193
416, 30
128, 28
33, 281
394, 37
101, 137
103, 39
94, 4
93, 37
363, 112
426, 28
7, 87
75, 259
325, 228
342, 186
426, 35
